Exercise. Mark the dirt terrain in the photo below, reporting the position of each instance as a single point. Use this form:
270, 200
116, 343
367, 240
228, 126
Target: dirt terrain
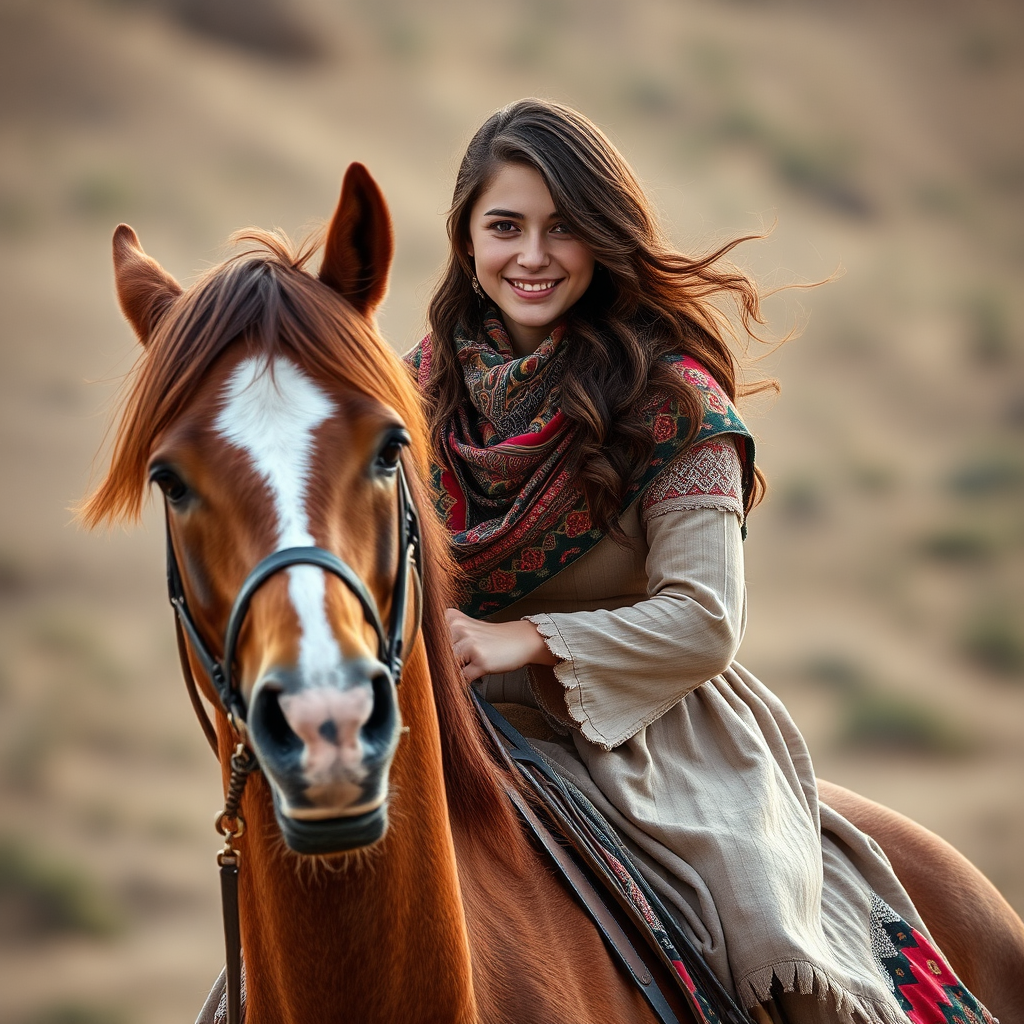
885, 570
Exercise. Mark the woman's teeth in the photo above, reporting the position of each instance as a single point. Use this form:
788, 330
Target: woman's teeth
541, 287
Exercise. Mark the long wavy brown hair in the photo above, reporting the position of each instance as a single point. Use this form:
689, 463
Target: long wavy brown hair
646, 299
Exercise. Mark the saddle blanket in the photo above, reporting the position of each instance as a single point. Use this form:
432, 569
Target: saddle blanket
918, 976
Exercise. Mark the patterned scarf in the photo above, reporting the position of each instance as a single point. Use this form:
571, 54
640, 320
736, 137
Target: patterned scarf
504, 489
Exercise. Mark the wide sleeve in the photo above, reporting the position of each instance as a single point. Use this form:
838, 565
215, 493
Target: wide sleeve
619, 670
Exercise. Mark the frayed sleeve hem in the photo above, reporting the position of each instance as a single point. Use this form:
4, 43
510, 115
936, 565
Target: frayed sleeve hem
572, 689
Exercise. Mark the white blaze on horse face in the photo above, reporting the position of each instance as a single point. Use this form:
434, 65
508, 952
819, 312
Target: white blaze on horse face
271, 412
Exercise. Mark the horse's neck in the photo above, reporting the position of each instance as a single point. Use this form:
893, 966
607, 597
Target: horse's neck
383, 935
387, 935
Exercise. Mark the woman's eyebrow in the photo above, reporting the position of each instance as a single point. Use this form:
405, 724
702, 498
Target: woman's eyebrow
516, 216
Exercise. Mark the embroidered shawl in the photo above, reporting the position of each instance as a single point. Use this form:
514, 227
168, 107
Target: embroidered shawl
502, 481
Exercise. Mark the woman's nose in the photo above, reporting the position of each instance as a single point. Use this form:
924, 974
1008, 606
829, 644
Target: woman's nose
534, 254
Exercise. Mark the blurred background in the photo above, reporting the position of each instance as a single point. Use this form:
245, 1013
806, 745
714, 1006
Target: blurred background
885, 568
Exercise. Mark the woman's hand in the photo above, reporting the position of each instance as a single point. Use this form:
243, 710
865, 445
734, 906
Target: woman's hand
482, 648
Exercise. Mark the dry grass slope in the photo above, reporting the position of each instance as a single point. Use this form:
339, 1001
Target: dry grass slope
886, 569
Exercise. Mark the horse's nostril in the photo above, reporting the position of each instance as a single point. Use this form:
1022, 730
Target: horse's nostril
381, 723
270, 728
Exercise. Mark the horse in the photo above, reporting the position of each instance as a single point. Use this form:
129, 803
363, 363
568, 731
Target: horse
272, 416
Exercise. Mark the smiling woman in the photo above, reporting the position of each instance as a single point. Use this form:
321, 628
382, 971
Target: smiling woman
595, 478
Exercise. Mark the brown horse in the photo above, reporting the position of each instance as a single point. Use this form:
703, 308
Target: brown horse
272, 415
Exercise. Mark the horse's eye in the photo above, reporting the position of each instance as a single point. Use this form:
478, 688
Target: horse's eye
391, 452
170, 483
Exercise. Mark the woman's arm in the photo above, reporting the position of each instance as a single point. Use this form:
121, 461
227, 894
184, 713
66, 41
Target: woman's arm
617, 671
620, 670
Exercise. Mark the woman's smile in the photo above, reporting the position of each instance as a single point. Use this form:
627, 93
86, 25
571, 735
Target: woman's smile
533, 289
527, 260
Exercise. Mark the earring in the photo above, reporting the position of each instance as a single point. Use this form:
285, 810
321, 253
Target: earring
476, 287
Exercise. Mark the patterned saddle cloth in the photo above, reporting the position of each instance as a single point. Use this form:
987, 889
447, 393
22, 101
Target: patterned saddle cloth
917, 974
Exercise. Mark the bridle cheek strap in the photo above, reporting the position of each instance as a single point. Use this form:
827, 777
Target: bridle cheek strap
193, 690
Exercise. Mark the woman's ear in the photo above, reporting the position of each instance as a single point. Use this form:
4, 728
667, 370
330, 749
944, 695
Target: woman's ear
144, 288
360, 243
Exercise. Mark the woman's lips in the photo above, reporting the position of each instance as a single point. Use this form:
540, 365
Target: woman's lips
532, 289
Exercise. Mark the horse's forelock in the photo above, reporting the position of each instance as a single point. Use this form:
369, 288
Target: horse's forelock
261, 294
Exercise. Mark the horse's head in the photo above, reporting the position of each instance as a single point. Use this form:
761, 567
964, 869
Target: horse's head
273, 418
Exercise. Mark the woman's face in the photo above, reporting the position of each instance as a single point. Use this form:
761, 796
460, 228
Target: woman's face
527, 260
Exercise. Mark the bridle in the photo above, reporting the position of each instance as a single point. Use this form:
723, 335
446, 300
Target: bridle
224, 680
221, 672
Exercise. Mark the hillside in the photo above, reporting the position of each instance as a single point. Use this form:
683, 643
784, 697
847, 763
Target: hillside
885, 570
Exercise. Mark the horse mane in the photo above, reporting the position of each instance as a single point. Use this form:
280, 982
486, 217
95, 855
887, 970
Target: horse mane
264, 297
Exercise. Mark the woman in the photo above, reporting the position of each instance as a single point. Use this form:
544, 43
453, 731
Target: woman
595, 478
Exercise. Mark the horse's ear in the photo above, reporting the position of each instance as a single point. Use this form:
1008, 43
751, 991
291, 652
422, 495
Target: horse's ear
360, 243
144, 288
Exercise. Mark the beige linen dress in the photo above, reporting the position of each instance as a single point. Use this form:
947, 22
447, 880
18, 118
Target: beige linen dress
697, 763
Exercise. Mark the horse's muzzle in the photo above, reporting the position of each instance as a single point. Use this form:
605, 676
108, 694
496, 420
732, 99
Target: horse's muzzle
326, 749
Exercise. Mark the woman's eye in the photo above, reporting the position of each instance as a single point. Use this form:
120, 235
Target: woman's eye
170, 483
503, 227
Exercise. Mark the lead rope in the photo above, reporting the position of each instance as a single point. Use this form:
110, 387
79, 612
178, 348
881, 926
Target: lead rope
231, 825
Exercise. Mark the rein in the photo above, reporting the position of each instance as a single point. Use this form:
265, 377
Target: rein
230, 824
